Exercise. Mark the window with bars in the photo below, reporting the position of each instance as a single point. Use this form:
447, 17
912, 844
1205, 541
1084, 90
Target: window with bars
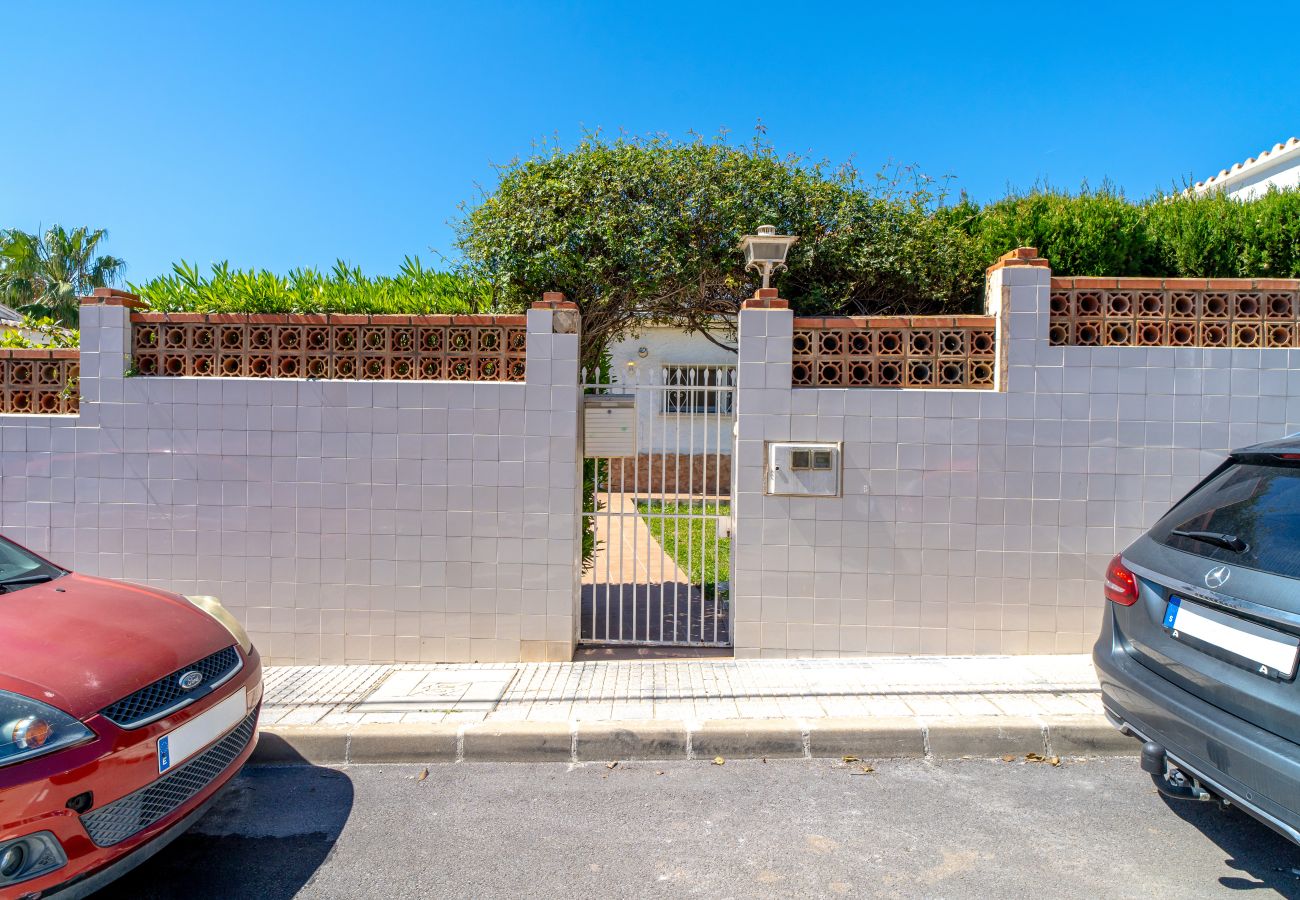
700, 389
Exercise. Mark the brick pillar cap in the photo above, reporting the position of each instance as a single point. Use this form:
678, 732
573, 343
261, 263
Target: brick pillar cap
554, 300
1021, 256
766, 298
113, 297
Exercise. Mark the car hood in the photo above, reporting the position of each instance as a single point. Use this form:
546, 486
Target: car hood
80, 643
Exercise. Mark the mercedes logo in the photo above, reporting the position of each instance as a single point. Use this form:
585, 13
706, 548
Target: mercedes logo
191, 679
1217, 577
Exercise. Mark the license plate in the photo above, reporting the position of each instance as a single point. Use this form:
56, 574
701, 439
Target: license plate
177, 746
1262, 650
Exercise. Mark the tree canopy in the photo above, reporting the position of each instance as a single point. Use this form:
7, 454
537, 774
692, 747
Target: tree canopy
649, 227
633, 227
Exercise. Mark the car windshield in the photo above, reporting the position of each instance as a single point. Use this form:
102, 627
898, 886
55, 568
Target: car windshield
1247, 515
20, 569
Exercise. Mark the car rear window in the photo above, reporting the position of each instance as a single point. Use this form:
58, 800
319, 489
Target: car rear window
1256, 503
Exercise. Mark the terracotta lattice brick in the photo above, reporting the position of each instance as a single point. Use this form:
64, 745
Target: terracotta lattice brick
1280, 306
399, 348
39, 381
1145, 312
1214, 306
1182, 305
892, 351
1280, 334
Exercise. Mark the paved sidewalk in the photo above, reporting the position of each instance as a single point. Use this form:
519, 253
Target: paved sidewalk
1041, 707
681, 690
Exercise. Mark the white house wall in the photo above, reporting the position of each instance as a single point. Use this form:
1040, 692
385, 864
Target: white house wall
1283, 176
667, 433
1275, 168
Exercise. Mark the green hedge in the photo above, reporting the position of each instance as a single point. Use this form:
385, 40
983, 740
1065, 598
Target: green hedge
1102, 233
933, 261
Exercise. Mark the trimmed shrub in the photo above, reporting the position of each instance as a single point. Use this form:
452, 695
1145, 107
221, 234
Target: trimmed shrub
1102, 233
1214, 236
1089, 233
414, 290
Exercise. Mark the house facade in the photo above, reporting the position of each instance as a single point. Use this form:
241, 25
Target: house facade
685, 429
9, 319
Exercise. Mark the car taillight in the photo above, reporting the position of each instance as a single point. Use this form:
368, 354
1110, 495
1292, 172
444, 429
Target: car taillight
1121, 584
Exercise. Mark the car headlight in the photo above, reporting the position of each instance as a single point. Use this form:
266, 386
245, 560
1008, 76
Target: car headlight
30, 728
212, 606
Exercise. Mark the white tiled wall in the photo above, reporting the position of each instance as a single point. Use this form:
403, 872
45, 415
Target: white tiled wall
978, 521
432, 521
341, 521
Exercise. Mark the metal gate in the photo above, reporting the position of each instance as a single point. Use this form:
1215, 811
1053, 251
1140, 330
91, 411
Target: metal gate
657, 506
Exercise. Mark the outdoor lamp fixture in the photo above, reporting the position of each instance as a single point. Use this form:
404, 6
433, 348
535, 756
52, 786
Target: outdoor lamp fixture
766, 251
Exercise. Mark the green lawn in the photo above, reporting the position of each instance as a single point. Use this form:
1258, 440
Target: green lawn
692, 543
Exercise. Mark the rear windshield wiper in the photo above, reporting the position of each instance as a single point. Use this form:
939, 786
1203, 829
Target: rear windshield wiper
24, 580
1218, 539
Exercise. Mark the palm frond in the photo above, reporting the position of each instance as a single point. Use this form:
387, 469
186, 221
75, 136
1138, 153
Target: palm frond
49, 272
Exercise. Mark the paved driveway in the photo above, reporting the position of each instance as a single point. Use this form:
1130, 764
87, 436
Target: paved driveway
967, 828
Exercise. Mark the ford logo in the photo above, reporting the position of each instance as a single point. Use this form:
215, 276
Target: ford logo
1217, 577
190, 680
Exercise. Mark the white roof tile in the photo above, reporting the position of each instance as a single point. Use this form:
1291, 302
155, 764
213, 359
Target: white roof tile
1271, 155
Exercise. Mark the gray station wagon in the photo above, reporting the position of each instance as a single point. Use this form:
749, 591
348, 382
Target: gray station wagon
1198, 647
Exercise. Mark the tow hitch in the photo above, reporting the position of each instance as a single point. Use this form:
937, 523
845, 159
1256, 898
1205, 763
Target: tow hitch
1169, 779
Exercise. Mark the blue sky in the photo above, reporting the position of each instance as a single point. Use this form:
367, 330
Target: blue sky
286, 134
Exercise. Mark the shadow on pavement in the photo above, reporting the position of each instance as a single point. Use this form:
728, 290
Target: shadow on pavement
594, 652
668, 611
1264, 858
267, 835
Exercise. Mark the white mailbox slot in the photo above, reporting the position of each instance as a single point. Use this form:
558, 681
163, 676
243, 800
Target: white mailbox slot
609, 425
803, 470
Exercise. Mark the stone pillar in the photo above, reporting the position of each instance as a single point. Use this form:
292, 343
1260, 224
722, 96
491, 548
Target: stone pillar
552, 411
1018, 293
766, 329
105, 350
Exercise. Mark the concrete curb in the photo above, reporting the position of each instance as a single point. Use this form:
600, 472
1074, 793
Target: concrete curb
877, 738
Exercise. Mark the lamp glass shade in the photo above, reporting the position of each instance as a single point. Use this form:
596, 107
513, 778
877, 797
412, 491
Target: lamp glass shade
767, 246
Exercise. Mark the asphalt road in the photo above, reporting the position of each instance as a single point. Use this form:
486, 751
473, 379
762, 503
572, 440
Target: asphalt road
966, 828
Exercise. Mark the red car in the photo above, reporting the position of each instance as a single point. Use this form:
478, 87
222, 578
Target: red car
123, 711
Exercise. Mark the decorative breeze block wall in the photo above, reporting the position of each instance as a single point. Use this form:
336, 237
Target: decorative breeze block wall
333, 346
1174, 312
895, 351
39, 381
